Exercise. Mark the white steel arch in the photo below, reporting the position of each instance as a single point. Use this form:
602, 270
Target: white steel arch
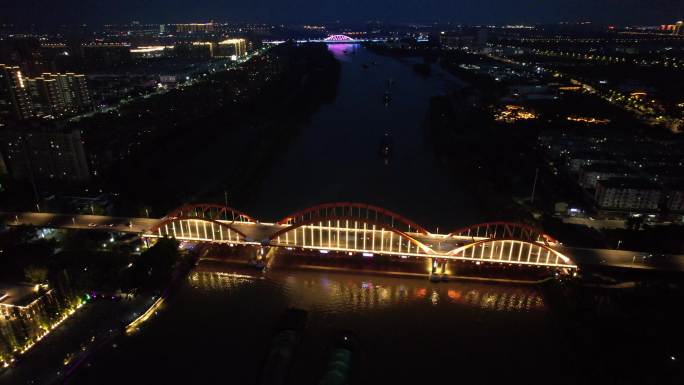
511, 251
349, 234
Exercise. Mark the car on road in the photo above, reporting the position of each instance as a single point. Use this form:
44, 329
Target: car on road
92, 225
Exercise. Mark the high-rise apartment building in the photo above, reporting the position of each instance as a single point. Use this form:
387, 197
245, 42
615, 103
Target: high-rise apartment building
231, 47
14, 96
49, 94
59, 94
222, 49
43, 150
194, 28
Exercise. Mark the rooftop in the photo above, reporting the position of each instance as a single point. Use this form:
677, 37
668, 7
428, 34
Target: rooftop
19, 294
675, 186
607, 167
629, 183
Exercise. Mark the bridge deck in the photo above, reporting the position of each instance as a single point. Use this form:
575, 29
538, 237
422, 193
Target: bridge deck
261, 232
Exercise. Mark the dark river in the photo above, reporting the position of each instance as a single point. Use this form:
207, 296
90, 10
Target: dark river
336, 157
217, 330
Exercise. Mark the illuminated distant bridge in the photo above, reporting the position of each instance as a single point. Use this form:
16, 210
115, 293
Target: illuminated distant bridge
364, 229
339, 39
359, 229
334, 39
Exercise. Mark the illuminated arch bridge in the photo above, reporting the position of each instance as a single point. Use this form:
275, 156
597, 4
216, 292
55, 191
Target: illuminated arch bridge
361, 228
339, 39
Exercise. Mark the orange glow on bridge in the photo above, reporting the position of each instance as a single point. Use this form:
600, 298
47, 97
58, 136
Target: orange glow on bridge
364, 229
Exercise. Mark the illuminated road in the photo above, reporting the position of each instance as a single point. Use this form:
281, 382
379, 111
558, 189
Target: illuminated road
260, 233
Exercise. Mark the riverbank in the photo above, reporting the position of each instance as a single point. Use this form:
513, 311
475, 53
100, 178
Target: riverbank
221, 135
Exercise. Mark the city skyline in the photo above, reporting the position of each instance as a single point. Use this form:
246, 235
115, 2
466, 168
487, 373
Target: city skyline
44, 13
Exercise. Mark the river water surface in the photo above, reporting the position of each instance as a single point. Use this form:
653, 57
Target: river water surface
218, 328
336, 157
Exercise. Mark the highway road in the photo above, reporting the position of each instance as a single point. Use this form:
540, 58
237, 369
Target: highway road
87, 222
260, 232
597, 223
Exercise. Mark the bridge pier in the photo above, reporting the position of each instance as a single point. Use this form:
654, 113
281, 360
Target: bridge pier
438, 269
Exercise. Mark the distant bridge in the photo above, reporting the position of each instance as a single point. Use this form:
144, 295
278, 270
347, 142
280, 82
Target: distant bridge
339, 39
335, 39
357, 228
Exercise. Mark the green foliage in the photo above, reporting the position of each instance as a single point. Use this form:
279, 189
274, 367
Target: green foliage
641, 237
36, 274
19, 249
83, 240
154, 266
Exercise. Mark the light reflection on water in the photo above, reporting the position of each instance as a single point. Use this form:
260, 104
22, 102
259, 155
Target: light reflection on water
335, 293
406, 327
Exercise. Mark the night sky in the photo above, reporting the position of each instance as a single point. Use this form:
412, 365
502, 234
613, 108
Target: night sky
55, 12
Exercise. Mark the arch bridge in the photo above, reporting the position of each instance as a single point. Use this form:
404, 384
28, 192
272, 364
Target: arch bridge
339, 39
348, 227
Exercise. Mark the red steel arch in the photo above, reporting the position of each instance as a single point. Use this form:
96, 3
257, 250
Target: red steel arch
211, 211
500, 229
162, 228
379, 227
357, 211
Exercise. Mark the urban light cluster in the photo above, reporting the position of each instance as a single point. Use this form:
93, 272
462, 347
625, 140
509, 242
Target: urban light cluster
583, 119
5, 362
512, 113
133, 326
151, 49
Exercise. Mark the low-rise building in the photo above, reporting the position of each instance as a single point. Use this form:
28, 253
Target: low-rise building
675, 197
581, 159
25, 312
665, 174
591, 174
628, 194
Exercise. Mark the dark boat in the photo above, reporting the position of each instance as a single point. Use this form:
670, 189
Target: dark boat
365, 66
342, 360
257, 264
386, 146
278, 362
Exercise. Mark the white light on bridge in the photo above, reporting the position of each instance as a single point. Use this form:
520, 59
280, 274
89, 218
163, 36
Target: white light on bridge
323, 251
367, 254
